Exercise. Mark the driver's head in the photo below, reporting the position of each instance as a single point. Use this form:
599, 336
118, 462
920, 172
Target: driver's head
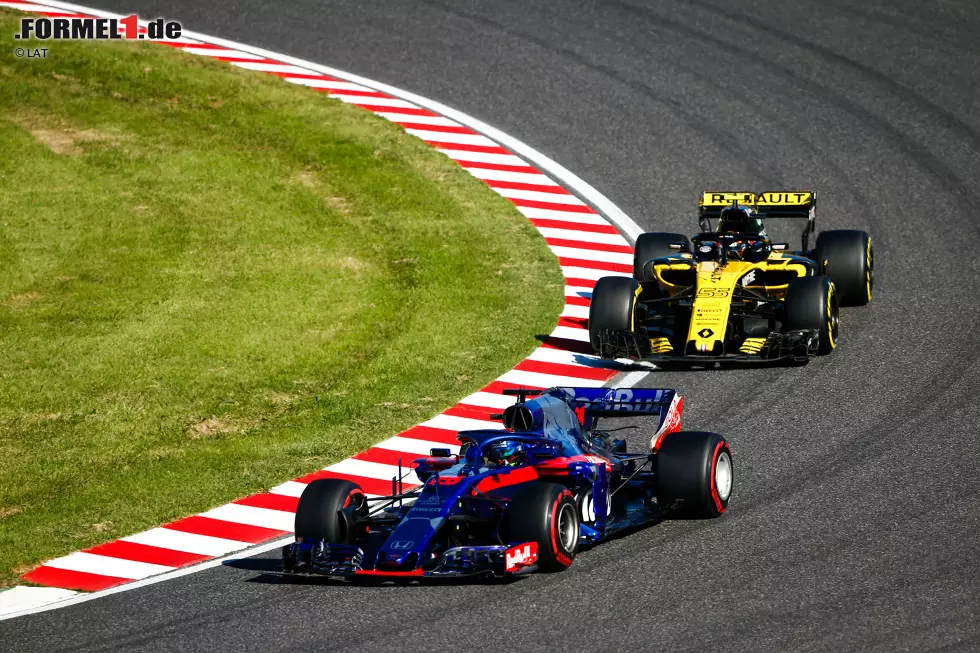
708, 250
757, 250
739, 218
507, 453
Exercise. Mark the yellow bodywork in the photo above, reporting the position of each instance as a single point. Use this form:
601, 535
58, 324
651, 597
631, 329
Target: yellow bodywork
714, 288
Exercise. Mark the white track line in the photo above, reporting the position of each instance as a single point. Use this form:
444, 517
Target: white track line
593, 274
289, 489
584, 236
168, 538
592, 254
488, 174
543, 380
327, 83
413, 446
564, 216
570, 333
484, 157
488, 400
263, 517
91, 563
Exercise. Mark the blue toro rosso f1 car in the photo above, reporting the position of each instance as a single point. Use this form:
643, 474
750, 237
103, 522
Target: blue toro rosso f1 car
518, 500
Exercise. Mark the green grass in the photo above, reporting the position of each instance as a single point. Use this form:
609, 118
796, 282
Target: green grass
212, 281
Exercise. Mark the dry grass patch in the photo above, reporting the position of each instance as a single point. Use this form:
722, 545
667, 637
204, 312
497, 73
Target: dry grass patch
8, 511
308, 178
62, 138
214, 426
22, 300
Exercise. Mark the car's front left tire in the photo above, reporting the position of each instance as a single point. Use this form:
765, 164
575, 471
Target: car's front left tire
847, 257
318, 514
811, 304
545, 513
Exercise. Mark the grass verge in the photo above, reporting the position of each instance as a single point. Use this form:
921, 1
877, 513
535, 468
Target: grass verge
212, 281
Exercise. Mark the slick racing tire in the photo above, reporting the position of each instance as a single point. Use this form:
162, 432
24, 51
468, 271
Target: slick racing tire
545, 513
811, 303
694, 475
318, 513
655, 245
612, 307
846, 256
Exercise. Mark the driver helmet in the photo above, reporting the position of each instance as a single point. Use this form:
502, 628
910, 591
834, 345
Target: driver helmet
707, 250
739, 218
757, 250
507, 453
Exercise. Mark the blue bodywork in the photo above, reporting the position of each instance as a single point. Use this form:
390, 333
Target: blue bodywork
451, 524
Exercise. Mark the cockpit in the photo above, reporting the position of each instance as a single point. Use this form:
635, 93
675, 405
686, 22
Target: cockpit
731, 247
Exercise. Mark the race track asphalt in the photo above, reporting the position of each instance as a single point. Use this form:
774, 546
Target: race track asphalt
854, 525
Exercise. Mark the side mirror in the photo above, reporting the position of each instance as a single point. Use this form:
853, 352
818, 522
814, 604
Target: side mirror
780, 246
439, 453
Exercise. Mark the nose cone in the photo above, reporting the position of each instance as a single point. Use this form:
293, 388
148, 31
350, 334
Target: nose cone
409, 543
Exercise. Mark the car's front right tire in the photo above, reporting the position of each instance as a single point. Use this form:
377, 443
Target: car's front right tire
694, 475
612, 307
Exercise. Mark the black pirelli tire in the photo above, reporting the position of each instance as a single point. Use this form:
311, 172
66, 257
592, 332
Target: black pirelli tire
318, 512
811, 303
612, 307
545, 513
654, 245
694, 475
847, 257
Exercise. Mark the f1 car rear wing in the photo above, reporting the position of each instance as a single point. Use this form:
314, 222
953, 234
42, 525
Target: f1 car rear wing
771, 204
591, 404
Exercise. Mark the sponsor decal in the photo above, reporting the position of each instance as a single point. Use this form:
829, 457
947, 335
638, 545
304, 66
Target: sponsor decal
622, 400
401, 545
97, 29
706, 333
748, 278
785, 199
520, 556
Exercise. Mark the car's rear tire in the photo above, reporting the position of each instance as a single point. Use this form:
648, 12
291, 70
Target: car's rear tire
655, 245
318, 512
811, 303
545, 513
694, 475
846, 256
612, 307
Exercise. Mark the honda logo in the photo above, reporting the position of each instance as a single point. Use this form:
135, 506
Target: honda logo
401, 545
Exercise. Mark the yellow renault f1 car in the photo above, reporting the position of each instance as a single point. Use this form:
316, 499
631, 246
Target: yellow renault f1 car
730, 293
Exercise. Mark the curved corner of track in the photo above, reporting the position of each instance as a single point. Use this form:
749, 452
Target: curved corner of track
583, 228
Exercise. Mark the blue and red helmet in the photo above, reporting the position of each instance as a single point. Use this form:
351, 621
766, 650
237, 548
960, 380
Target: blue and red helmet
507, 452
